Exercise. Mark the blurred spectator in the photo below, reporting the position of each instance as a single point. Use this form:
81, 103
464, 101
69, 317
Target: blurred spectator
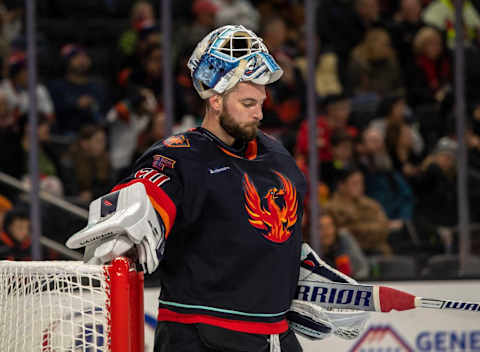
337, 109
10, 28
5, 206
15, 149
429, 84
327, 79
237, 12
364, 100
343, 24
142, 14
204, 12
393, 110
187, 101
148, 74
149, 37
363, 217
405, 24
340, 249
473, 143
89, 165
441, 14
376, 57
11, 20
8, 117
15, 241
16, 88
127, 119
79, 100
382, 182
342, 158
436, 193
283, 108
399, 144
155, 131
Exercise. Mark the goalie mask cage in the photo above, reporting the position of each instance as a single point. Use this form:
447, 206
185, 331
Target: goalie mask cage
54, 306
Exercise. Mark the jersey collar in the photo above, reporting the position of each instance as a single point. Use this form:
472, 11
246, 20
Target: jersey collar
246, 151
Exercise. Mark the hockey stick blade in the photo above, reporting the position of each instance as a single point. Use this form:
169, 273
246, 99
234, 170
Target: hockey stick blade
371, 298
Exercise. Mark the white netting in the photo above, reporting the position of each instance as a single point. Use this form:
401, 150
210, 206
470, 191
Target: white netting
53, 306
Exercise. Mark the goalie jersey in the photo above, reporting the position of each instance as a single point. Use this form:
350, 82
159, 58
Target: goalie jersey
233, 225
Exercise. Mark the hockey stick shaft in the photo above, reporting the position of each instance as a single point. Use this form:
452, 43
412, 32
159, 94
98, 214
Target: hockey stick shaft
371, 298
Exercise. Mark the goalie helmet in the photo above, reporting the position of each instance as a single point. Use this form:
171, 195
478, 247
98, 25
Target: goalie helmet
228, 55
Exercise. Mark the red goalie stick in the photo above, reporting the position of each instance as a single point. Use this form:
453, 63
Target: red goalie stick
371, 298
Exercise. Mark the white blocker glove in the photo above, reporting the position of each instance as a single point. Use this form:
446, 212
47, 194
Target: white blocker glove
314, 321
119, 221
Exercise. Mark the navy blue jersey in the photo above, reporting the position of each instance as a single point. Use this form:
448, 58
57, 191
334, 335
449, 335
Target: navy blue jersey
233, 222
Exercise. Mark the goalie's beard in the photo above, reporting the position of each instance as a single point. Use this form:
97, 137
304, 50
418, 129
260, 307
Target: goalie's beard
245, 132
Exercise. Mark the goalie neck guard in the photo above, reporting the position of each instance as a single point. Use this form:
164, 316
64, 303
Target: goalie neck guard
228, 55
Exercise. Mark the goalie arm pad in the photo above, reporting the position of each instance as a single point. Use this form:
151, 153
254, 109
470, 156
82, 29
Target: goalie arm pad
117, 222
346, 323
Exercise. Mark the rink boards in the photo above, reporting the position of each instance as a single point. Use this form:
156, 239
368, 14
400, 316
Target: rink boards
419, 330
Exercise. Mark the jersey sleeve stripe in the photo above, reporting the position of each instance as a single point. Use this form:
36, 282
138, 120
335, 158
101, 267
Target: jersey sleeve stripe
163, 214
160, 201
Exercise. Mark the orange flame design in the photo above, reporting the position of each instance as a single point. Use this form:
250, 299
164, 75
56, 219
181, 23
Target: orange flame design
273, 218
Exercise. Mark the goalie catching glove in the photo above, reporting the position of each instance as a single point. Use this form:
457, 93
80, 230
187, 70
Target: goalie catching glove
119, 221
313, 321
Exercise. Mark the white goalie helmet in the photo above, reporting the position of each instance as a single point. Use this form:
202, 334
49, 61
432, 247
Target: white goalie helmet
228, 55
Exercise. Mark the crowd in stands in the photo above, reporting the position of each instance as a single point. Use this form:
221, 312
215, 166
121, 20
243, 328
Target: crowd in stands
385, 101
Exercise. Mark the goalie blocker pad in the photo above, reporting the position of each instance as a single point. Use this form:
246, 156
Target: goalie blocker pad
124, 212
314, 294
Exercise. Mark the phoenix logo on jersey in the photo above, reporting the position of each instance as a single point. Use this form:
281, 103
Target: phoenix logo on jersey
276, 218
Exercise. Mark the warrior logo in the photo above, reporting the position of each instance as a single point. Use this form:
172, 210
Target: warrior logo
275, 218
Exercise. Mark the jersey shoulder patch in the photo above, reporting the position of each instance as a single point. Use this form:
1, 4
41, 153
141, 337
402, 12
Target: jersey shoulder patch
177, 141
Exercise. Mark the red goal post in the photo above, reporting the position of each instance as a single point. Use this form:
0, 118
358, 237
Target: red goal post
68, 306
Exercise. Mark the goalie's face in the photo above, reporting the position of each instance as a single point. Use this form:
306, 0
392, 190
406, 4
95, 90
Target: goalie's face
242, 110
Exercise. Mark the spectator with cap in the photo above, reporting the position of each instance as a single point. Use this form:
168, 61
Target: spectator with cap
436, 196
16, 88
79, 99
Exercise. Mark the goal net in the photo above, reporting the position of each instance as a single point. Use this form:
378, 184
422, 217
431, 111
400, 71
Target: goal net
70, 306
